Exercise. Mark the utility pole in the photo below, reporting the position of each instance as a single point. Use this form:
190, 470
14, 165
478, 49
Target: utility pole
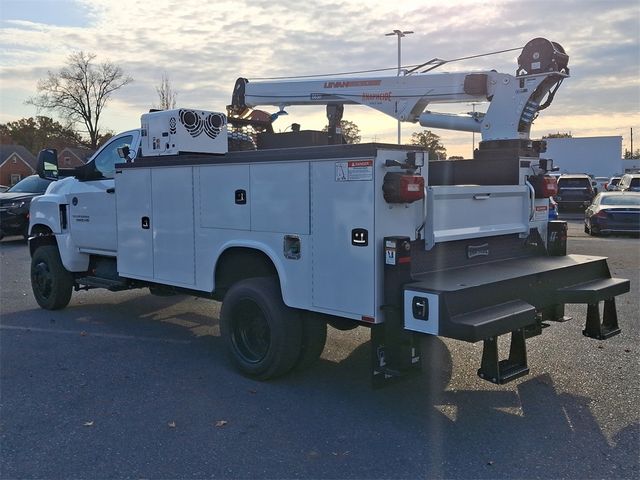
473, 134
399, 34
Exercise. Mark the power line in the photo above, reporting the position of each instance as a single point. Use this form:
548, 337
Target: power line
412, 68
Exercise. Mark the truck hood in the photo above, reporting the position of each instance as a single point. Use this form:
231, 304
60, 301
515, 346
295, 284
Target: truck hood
60, 187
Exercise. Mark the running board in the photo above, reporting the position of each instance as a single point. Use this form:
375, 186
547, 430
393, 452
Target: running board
99, 282
492, 321
592, 293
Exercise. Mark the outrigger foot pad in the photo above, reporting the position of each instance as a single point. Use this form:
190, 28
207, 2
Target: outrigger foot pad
609, 325
503, 371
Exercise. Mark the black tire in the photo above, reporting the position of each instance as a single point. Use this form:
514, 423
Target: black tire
262, 335
314, 338
52, 284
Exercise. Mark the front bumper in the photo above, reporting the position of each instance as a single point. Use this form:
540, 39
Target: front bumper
13, 222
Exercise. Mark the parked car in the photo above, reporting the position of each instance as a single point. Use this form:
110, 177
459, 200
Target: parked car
613, 212
612, 184
600, 183
3, 188
14, 205
574, 192
630, 181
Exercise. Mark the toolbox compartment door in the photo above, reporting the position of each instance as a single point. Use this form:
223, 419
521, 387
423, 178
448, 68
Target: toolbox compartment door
342, 222
474, 211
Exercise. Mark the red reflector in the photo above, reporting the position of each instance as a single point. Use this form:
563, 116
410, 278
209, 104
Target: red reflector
402, 188
368, 319
404, 259
545, 186
549, 187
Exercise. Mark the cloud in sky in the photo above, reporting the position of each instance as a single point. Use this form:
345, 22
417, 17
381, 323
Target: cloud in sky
205, 46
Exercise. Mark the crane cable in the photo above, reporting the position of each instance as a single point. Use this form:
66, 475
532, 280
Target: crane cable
436, 62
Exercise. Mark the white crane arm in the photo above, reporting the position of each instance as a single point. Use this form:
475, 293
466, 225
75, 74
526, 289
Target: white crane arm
514, 100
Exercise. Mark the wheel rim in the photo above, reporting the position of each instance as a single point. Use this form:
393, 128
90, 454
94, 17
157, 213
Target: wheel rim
251, 334
42, 279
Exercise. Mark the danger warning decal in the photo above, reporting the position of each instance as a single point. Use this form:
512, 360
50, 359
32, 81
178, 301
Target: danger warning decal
541, 213
355, 170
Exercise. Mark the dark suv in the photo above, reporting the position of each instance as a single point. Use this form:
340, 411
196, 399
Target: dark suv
574, 192
14, 205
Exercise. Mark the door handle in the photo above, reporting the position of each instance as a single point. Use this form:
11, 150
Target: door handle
111, 190
145, 223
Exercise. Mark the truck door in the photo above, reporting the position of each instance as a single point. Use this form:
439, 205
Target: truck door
92, 204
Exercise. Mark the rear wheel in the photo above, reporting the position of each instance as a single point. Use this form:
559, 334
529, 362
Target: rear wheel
262, 335
51, 283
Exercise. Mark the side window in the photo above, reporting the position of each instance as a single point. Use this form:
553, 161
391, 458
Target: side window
106, 160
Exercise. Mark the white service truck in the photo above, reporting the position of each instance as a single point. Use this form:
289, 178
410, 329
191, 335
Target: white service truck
295, 231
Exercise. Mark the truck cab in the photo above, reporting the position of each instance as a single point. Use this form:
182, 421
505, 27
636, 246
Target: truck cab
88, 191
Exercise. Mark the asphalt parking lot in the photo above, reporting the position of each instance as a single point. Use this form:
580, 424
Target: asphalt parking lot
129, 385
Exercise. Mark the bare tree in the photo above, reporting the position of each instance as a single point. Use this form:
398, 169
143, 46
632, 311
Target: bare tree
80, 91
166, 94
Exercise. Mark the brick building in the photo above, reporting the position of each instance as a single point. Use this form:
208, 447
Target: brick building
16, 163
71, 157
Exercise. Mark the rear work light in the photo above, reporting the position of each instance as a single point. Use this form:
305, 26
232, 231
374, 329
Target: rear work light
545, 186
402, 188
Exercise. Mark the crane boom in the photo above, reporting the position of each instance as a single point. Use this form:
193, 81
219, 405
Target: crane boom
514, 101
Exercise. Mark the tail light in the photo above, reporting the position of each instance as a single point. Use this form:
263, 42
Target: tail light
545, 186
402, 188
601, 214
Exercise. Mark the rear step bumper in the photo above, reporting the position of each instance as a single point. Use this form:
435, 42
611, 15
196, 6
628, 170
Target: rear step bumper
483, 301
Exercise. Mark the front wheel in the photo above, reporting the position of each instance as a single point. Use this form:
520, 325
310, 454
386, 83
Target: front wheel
51, 283
262, 335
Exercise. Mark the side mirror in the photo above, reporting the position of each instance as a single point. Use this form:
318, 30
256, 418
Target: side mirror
123, 152
48, 164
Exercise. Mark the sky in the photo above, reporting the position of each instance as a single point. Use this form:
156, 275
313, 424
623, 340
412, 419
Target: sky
203, 46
